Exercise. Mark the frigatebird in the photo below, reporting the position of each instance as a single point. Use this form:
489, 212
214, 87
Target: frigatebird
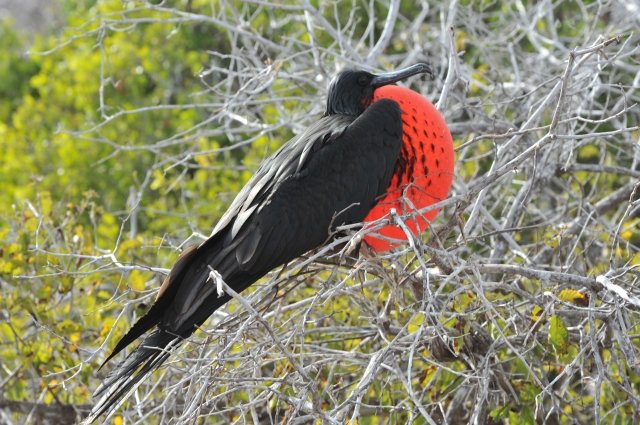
377, 147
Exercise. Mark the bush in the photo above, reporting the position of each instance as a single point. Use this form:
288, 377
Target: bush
127, 135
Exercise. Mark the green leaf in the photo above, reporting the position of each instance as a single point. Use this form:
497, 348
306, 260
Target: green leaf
558, 334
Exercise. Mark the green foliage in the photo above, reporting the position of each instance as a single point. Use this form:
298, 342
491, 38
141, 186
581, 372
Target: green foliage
15, 68
67, 165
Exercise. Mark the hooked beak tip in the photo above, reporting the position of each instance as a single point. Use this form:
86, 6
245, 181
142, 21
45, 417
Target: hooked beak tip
395, 76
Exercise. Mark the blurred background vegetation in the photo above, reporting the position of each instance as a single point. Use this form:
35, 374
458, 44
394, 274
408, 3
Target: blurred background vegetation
126, 128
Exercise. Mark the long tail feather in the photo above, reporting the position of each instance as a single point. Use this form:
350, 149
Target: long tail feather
185, 300
126, 377
154, 314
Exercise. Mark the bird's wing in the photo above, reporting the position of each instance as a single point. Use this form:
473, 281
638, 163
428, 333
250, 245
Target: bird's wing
330, 175
288, 160
297, 210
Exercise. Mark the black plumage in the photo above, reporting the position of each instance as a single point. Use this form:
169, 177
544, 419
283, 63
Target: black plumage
329, 175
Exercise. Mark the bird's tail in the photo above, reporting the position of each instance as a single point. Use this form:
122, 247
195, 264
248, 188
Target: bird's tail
126, 377
185, 300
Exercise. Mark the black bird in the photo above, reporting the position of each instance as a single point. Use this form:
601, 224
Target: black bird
330, 175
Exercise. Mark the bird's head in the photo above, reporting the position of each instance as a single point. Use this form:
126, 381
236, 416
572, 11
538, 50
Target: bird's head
351, 91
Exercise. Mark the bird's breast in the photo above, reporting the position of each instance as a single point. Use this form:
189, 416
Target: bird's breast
423, 172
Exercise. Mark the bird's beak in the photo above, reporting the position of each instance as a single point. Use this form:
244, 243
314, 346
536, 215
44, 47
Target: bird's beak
395, 76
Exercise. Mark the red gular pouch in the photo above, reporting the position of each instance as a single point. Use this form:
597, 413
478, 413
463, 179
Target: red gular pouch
423, 173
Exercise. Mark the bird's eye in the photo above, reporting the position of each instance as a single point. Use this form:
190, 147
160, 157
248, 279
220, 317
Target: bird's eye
363, 80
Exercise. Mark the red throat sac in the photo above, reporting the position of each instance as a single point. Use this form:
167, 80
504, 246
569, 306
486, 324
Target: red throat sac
423, 173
